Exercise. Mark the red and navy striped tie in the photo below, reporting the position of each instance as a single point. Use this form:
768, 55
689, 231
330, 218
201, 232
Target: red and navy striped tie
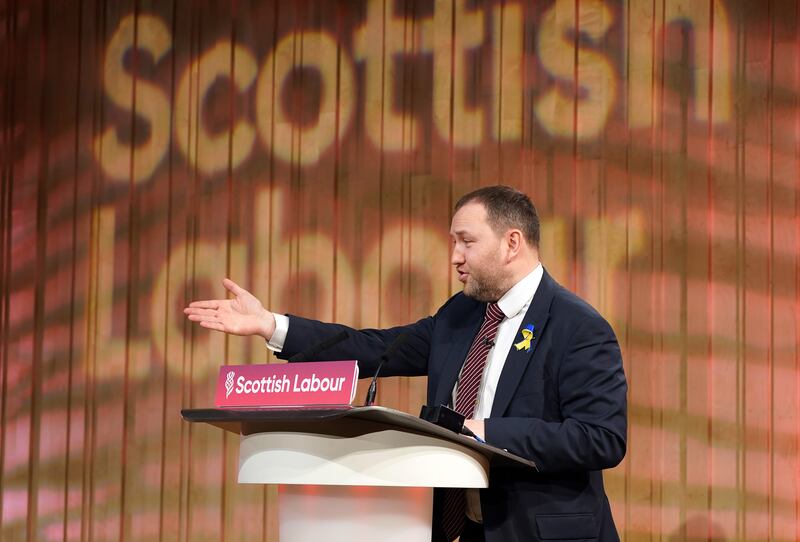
469, 382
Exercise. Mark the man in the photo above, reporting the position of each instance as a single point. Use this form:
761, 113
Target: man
536, 369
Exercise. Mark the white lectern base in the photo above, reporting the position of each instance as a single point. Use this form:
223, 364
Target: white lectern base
385, 458
372, 486
348, 513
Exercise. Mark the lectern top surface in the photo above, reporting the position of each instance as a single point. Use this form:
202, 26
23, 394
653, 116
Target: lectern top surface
344, 422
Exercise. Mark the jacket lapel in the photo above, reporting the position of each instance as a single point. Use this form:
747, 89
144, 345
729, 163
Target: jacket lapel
517, 360
462, 338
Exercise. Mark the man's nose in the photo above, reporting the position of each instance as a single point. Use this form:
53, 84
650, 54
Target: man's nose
456, 256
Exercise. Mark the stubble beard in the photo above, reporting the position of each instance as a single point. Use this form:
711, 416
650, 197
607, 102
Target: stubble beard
486, 289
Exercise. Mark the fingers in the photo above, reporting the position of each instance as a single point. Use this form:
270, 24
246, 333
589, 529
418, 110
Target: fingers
206, 316
209, 320
207, 304
216, 326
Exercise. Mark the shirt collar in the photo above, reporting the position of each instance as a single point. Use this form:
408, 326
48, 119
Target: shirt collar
520, 295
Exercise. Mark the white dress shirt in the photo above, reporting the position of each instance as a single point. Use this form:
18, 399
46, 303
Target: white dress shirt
275, 343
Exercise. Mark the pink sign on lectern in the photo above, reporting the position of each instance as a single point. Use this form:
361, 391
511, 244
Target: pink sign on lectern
327, 383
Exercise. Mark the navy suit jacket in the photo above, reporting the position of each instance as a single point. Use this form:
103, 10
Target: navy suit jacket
561, 404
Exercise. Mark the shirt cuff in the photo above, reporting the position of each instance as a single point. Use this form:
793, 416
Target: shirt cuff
279, 336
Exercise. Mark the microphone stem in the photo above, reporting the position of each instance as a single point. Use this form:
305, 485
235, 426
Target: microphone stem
373, 386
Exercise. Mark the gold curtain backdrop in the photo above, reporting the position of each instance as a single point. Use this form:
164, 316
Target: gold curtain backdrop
313, 151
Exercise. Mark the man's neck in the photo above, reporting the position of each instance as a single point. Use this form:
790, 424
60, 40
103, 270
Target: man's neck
523, 272
525, 269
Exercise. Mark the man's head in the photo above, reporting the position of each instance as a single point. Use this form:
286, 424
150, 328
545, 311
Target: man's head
495, 234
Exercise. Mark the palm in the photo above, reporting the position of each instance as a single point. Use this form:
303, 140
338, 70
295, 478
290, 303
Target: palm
241, 315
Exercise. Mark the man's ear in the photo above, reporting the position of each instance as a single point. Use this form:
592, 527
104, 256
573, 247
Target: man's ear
514, 242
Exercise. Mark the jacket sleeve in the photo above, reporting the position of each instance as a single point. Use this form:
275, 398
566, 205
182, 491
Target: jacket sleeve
365, 345
591, 391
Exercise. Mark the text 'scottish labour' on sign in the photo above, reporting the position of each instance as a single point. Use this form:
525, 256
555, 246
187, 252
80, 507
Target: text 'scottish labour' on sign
329, 383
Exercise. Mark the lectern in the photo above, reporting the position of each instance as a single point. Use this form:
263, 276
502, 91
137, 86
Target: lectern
354, 473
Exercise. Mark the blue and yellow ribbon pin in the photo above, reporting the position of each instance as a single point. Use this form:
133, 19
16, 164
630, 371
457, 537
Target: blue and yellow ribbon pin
527, 337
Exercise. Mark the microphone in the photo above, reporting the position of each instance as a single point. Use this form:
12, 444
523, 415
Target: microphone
488, 342
313, 351
373, 386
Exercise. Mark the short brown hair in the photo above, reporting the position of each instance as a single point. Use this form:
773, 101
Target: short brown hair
506, 208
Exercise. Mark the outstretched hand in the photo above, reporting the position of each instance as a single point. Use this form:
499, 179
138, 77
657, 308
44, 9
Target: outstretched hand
242, 315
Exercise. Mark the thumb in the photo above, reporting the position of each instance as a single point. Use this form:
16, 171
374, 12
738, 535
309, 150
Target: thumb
232, 287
